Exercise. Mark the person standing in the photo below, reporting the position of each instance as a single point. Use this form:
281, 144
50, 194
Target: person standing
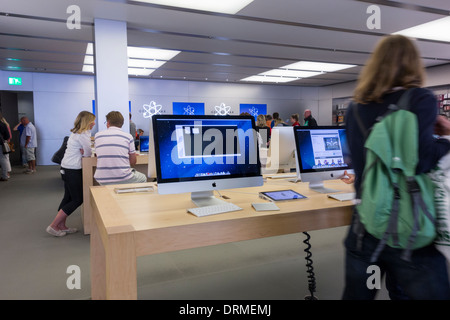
309, 120
394, 66
78, 146
19, 127
133, 130
5, 136
8, 162
263, 130
294, 120
29, 142
116, 154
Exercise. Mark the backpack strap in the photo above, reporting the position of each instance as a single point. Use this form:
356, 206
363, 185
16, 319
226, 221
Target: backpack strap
403, 102
417, 201
391, 230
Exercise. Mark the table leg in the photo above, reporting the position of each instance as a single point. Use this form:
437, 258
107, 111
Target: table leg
86, 208
113, 266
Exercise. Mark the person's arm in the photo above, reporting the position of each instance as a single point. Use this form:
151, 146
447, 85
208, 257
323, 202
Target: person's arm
85, 140
348, 178
132, 152
17, 126
28, 138
442, 126
133, 159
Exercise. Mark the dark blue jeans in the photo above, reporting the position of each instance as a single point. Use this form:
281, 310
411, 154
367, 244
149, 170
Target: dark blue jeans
425, 277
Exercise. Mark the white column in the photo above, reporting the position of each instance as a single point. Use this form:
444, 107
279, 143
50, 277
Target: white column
111, 70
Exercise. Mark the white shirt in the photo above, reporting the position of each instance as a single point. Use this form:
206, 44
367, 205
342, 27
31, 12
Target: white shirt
29, 131
72, 156
113, 148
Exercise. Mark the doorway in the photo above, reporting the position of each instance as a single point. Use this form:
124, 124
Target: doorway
13, 106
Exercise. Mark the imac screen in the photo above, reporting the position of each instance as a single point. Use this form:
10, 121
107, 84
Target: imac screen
192, 148
143, 143
322, 149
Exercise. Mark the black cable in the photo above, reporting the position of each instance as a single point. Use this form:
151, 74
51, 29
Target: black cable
310, 269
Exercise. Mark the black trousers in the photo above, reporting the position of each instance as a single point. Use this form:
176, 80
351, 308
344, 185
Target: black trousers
73, 190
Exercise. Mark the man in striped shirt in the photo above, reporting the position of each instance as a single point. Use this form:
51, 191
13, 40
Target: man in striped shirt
116, 154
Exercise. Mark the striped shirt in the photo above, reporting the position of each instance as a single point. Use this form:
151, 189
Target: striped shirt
113, 147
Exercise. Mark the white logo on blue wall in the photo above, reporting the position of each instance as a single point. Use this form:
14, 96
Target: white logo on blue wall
254, 111
189, 111
222, 110
151, 109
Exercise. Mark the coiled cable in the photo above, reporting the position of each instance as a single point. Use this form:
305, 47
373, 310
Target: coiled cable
310, 269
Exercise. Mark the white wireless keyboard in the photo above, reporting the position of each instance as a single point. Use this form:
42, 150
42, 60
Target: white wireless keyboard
283, 176
342, 196
215, 209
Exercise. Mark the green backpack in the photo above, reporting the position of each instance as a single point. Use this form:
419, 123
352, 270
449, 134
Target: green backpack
396, 205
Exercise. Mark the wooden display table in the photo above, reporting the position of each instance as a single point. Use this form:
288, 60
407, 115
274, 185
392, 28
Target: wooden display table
89, 164
125, 226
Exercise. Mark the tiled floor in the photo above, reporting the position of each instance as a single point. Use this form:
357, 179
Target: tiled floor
34, 264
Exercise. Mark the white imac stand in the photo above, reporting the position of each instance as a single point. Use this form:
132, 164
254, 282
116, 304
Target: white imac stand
316, 179
205, 198
318, 187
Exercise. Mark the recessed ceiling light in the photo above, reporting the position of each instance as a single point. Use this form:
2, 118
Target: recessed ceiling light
290, 73
90, 48
297, 70
88, 59
141, 61
140, 71
318, 66
433, 30
227, 6
151, 53
271, 79
88, 68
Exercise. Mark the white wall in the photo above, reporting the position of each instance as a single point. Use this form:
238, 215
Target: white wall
59, 98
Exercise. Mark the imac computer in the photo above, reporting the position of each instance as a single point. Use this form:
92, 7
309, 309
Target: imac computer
200, 154
281, 150
143, 143
322, 154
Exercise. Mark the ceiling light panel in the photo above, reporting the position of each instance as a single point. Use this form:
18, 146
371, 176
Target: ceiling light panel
141, 61
227, 6
140, 71
318, 66
434, 30
290, 73
149, 53
271, 79
297, 70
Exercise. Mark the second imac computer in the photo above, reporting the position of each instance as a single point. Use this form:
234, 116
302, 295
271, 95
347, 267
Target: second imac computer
322, 154
281, 150
200, 154
143, 143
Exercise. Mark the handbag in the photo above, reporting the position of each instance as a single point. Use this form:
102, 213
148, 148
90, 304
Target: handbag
59, 155
5, 146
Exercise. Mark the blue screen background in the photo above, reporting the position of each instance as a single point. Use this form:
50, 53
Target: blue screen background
307, 154
173, 168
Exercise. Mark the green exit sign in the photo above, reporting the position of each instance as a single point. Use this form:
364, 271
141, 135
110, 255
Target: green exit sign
13, 81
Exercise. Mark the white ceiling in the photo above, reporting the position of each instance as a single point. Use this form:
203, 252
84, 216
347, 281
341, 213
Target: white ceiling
266, 34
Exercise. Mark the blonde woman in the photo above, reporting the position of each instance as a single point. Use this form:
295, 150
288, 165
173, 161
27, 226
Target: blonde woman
78, 145
394, 66
263, 130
